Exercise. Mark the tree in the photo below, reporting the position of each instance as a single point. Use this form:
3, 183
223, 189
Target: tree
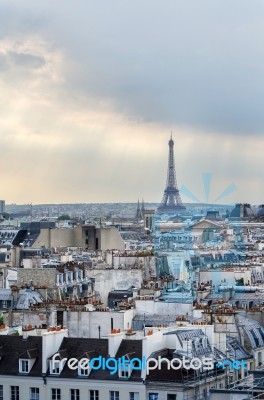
64, 217
6, 215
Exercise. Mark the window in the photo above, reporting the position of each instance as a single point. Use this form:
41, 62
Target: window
94, 395
171, 396
114, 395
14, 392
34, 393
83, 371
24, 366
55, 367
75, 394
55, 394
133, 396
1, 393
153, 396
123, 373
83, 367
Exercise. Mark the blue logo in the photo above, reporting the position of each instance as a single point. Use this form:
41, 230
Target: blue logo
207, 180
236, 364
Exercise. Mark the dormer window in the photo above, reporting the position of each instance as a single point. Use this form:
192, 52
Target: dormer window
83, 372
124, 373
24, 366
125, 370
55, 367
57, 362
84, 367
26, 360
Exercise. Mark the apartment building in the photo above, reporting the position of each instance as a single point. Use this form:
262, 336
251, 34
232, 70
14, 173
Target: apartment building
50, 366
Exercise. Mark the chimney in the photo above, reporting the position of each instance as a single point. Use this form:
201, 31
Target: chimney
114, 341
15, 292
51, 342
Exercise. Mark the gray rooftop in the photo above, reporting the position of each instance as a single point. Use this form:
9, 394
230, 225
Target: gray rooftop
5, 294
28, 298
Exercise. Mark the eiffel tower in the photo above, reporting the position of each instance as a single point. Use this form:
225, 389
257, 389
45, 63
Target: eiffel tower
171, 201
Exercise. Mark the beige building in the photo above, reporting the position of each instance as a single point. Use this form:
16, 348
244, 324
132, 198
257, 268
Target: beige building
88, 237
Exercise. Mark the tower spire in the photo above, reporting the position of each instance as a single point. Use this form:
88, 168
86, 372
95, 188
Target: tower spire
142, 207
171, 201
138, 214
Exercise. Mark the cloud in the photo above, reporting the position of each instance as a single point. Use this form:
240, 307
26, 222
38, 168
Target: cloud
26, 60
89, 94
198, 66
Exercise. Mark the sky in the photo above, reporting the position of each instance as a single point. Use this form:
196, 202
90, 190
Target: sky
90, 92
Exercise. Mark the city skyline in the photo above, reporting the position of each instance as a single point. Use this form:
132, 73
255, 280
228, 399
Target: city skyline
88, 102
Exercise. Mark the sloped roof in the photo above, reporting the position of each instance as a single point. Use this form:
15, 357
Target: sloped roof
81, 347
200, 343
235, 350
253, 330
13, 348
6, 294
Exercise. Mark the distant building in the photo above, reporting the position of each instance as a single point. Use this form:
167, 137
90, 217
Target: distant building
213, 215
207, 228
2, 206
260, 211
89, 237
115, 297
140, 210
6, 299
242, 211
149, 220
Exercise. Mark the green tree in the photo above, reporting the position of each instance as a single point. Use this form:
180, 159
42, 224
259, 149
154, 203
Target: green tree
64, 217
6, 215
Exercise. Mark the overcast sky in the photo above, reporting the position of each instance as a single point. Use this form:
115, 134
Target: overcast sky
90, 91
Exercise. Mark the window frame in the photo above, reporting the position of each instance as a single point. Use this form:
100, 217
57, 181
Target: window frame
14, 392
153, 396
34, 396
94, 394
124, 373
83, 372
57, 367
75, 394
22, 362
114, 395
55, 394
171, 394
133, 395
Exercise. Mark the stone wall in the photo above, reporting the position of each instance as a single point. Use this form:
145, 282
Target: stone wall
39, 277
